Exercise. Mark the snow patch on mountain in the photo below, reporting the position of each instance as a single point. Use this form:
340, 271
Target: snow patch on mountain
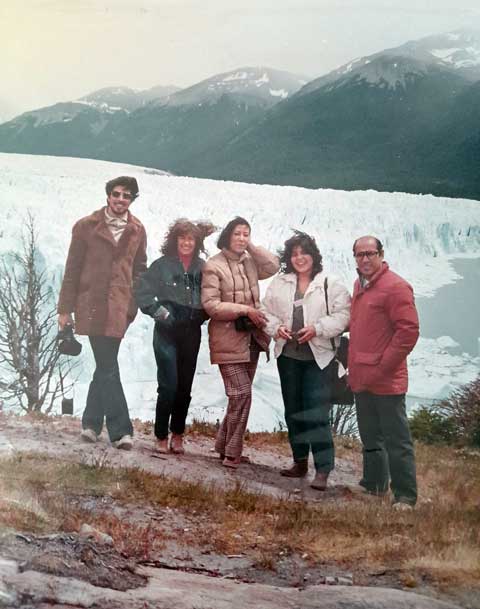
279, 93
264, 79
459, 57
247, 84
421, 235
102, 106
236, 76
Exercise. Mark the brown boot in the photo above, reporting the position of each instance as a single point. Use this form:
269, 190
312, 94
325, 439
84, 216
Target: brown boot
161, 446
298, 470
176, 444
319, 483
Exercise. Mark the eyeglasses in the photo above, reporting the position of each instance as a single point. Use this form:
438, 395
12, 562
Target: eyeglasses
121, 195
360, 255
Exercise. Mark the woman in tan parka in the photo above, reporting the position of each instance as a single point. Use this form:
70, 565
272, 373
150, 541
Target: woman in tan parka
230, 296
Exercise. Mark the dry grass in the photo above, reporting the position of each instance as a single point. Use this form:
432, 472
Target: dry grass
440, 539
202, 428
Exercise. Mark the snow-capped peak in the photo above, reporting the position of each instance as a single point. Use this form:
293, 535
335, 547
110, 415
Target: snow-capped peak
458, 51
253, 84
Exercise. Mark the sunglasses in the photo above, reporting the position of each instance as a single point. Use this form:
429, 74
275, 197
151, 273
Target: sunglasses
121, 195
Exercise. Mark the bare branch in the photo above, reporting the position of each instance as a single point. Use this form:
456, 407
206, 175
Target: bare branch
28, 353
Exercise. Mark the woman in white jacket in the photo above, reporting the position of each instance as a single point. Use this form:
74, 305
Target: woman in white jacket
297, 319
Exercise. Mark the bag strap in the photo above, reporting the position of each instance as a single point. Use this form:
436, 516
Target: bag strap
325, 287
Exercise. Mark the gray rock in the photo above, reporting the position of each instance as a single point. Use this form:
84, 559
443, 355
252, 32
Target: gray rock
8, 568
167, 589
87, 532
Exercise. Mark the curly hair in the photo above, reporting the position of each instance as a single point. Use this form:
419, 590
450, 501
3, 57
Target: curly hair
127, 182
181, 227
308, 245
226, 234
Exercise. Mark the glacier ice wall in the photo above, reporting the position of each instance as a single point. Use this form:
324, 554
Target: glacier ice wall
421, 233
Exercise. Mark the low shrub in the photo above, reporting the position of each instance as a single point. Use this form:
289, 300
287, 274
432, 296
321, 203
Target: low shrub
455, 419
431, 427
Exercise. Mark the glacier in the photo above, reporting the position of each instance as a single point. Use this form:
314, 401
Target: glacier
422, 234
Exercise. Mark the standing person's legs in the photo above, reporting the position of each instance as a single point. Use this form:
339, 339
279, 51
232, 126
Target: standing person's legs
237, 379
106, 394
187, 353
165, 348
94, 412
291, 377
399, 447
316, 392
375, 461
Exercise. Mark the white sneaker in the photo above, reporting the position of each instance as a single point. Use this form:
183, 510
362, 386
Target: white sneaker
400, 506
88, 435
125, 443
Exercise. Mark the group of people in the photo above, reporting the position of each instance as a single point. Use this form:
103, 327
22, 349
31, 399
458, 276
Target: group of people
305, 311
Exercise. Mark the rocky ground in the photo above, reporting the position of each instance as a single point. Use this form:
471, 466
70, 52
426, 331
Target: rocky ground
86, 569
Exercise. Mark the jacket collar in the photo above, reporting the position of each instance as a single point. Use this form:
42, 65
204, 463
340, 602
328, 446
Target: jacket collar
98, 217
235, 257
317, 281
102, 230
195, 264
373, 280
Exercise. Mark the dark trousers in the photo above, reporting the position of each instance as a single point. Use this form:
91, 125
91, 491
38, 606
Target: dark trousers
105, 399
176, 353
306, 391
387, 445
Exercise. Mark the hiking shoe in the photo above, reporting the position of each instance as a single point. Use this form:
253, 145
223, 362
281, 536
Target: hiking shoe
176, 444
88, 435
161, 446
319, 483
125, 443
375, 492
298, 470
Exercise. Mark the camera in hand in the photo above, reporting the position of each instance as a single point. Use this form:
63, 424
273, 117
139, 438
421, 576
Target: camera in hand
68, 344
244, 324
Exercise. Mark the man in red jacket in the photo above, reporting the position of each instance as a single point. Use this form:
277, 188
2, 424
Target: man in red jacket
383, 331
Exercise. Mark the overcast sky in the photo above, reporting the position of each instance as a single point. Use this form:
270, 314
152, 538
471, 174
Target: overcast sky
57, 50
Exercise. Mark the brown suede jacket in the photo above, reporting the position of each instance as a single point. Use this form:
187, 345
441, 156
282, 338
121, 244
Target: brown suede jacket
99, 275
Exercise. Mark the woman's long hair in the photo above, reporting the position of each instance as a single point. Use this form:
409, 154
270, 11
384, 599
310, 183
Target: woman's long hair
181, 227
308, 245
226, 234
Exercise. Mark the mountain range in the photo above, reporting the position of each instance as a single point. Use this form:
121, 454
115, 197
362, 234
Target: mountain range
405, 119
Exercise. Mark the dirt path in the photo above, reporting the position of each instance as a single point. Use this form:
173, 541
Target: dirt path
60, 437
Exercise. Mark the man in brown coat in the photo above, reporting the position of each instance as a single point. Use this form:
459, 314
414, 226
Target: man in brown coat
107, 254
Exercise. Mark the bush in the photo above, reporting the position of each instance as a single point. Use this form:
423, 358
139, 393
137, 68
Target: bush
431, 427
455, 419
463, 407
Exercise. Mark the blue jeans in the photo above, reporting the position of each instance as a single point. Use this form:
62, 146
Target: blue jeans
306, 391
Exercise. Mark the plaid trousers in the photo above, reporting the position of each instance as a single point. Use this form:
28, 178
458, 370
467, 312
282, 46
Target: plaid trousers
238, 379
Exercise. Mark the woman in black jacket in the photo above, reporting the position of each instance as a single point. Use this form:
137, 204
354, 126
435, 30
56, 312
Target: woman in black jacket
169, 291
